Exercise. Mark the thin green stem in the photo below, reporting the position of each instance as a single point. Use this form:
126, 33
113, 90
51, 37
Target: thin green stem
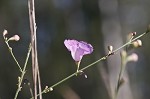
12, 54
70, 76
123, 64
115, 95
78, 65
31, 92
23, 73
90, 65
122, 69
130, 42
65, 79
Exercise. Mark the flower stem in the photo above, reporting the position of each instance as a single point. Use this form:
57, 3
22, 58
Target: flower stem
92, 64
23, 73
78, 65
12, 54
122, 69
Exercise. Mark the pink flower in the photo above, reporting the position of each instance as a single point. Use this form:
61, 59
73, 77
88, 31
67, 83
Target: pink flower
78, 48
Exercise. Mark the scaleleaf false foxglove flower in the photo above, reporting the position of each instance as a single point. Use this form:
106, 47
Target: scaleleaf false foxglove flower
78, 49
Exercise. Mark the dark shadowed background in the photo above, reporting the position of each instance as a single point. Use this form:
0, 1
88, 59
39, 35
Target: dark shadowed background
99, 22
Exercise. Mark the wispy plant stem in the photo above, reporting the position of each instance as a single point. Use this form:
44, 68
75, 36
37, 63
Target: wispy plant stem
20, 79
12, 54
123, 64
92, 64
122, 69
134, 39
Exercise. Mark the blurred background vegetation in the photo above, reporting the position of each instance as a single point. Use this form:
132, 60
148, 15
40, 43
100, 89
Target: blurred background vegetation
99, 22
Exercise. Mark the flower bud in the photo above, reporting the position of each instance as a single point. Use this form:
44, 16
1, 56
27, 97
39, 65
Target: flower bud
133, 57
110, 48
51, 89
15, 38
131, 35
5, 32
137, 43
46, 90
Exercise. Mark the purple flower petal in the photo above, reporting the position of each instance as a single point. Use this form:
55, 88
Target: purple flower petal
78, 49
88, 49
71, 45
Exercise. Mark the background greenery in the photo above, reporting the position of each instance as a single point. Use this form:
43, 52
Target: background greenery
99, 22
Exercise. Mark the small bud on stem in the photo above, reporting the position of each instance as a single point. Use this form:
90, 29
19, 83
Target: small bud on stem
110, 50
14, 38
131, 35
137, 43
5, 32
